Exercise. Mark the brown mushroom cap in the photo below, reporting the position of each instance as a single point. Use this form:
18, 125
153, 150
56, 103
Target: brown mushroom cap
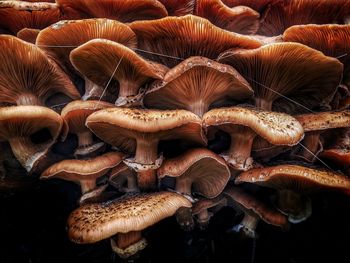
256, 5
171, 39
195, 84
332, 40
287, 73
338, 156
123, 11
18, 123
113, 59
28, 34
95, 222
200, 169
27, 76
179, 7
239, 19
296, 178
16, 15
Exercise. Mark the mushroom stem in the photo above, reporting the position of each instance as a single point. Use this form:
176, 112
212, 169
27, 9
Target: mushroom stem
263, 104
198, 108
183, 186
128, 244
249, 224
128, 88
311, 145
85, 138
92, 90
87, 185
28, 99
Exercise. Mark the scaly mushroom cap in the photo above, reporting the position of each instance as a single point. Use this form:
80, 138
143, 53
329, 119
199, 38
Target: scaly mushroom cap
179, 7
294, 177
277, 128
239, 19
99, 59
200, 169
332, 40
276, 71
256, 5
121, 126
284, 14
123, 11
324, 120
16, 15
171, 39
28, 34
73, 33
195, 84
27, 76
18, 123
94, 222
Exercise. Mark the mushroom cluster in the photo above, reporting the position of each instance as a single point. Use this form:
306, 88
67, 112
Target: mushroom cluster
179, 107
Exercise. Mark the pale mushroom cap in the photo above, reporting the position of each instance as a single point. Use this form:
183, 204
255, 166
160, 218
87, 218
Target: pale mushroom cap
95, 222
277, 128
75, 170
324, 120
295, 177
208, 171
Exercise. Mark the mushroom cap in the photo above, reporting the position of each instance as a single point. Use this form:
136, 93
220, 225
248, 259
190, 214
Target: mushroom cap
16, 15
197, 79
98, 58
332, 40
277, 128
207, 171
179, 7
205, 203
251, 205
281, 15
121, 126
171, 39
28, 34
69, 34
296, 178
256, 5
338, 156
94, 222
76, 112
35, 75
304, 75
23, 121
123, 11
239, 19
79, 170
324, 120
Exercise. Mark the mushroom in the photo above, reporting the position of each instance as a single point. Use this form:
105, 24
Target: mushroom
139, 131
314, 125
61, 38
239, 19
27, 76
123, 219
195, 84
123, 11
75, 114
113, 60
244, 124
172, 39
20, 124
199, 171
28, 34
285, 73
16, 15
259, 6
84, 172
254, 211
179, 7
293, 183
123, 178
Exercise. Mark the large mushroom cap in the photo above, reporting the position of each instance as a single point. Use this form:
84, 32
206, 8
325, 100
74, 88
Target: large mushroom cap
195, 84
179, 7
296, 178
287, 73
171, 39
202, 170
94, 222
332, 40
28, 34
123, 11
27, 76
121, 126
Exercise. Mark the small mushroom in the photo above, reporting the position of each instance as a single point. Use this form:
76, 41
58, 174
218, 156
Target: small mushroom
28, 34
179, 7
244, 124
123, 178
195, 84
123, 219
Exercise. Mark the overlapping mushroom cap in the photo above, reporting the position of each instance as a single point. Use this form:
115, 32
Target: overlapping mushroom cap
28, 34
179, 7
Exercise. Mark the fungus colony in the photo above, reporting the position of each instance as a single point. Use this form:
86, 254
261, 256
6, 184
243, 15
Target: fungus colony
180, 106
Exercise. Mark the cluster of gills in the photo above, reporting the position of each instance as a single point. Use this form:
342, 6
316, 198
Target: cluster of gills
182, 106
